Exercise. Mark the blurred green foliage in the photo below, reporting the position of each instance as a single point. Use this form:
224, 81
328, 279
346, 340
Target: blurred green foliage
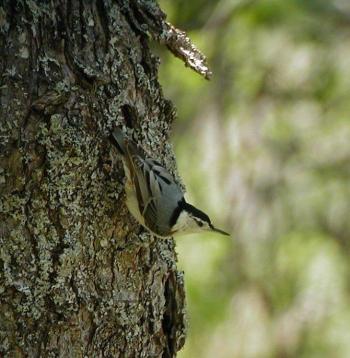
264, 147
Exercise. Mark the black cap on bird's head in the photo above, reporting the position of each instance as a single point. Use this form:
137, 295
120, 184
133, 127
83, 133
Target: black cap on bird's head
193, 220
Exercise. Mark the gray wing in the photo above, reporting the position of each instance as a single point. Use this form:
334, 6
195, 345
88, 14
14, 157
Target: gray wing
158, 192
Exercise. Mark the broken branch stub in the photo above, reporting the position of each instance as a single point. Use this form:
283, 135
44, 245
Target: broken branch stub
182, 47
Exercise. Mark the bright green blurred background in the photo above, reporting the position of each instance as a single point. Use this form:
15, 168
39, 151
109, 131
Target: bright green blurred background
264, 147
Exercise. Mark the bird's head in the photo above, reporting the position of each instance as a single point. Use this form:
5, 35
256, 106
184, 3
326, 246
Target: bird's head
192, 220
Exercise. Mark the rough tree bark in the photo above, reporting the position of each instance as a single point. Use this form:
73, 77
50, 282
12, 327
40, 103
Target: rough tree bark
78, 276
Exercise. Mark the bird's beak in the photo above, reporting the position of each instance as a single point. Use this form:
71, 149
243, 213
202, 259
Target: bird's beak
219, 231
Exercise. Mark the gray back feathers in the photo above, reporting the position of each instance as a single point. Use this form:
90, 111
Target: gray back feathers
157, 193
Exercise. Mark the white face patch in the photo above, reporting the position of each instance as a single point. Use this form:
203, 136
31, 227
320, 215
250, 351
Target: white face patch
187, 224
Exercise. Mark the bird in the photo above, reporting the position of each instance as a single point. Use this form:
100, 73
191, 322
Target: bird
153, 196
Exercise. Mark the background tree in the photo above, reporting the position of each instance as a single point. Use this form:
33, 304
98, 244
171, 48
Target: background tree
78, 276
276, 119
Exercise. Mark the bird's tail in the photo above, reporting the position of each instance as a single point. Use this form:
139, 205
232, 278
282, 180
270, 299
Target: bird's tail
118, 138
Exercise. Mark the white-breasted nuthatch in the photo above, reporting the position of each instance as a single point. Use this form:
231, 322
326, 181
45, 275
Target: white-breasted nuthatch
152, 195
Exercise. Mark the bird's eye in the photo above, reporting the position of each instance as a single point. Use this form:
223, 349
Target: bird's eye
200, 223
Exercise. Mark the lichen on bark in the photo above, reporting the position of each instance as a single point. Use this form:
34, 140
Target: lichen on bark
79, 277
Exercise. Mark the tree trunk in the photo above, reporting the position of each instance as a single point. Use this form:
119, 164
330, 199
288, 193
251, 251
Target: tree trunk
79, 277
